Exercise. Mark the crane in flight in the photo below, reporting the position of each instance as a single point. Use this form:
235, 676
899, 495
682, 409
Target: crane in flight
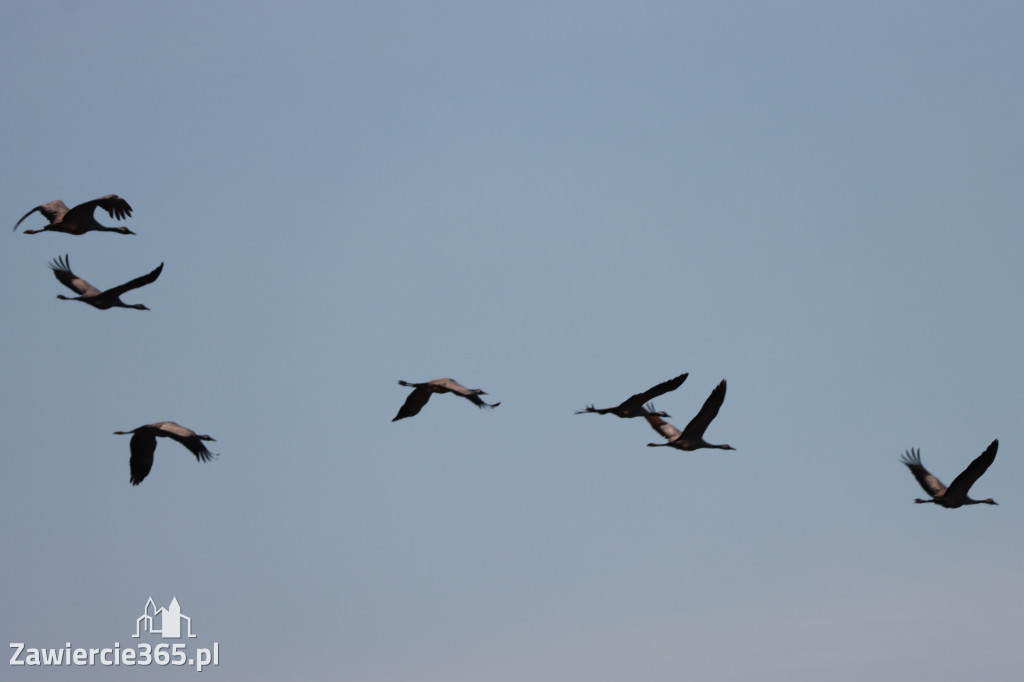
87, 293
79, 219
633, 406
692, 437
143, 445
956, 494
421, 394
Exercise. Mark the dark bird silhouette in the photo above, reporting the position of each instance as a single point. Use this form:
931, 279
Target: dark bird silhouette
956, 494
87, 293
143, 445
79, 219
422, 392
634, 405
692, 437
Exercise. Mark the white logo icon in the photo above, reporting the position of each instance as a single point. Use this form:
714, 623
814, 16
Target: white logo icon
169, 619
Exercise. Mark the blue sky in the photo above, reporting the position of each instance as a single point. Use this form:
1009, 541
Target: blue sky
562, 204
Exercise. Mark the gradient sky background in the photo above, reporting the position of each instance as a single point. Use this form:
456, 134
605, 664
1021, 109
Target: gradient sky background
562, 204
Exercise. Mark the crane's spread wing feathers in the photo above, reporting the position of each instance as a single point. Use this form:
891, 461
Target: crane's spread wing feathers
962, 483
185, 436
142, 446
53, 211
476, 400
26, 216
413, 403
37, 208
62, 271
637, 401
136, 283
114, 205
663, 427
699, 424
196, 447
932, 485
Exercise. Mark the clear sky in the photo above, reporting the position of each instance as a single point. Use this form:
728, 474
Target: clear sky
560, 203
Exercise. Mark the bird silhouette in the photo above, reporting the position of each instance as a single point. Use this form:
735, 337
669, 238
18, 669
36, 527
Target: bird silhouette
633, 406
956, 494
87, 293
143, 445
79, 219
422, 392
692, 437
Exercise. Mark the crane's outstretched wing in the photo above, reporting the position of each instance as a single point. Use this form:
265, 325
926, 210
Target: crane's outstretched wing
637, 401
51, 210
62, 271
475, 399
414, 403
962, 483
699, 424
932, 485
185, 436
663, 427
114, 205
142, 445
136, 283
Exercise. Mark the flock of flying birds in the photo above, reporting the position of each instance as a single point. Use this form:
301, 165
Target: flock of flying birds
80, 219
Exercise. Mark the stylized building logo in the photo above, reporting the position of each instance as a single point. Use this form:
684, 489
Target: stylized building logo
169, 621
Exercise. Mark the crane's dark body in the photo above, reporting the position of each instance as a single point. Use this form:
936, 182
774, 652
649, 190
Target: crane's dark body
422, 392
143, 445
956, 494
692, 437
87, 293
634, 405
79, 219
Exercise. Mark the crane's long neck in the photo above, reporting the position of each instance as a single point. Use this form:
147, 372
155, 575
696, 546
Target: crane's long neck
103, 228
